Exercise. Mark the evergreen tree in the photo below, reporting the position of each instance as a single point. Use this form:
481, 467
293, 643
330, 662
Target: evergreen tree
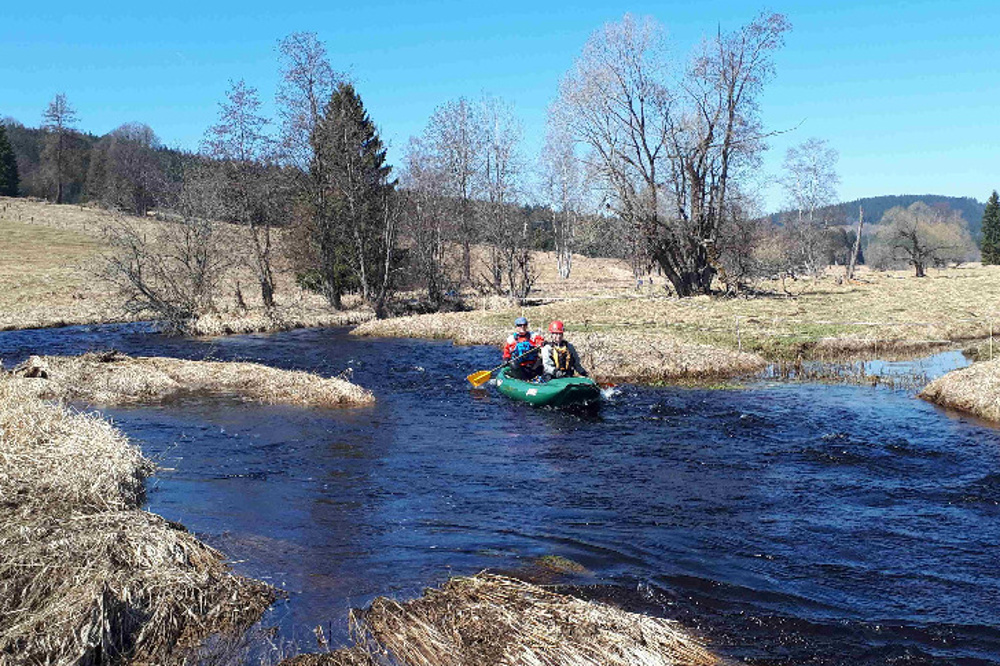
356, 225
8, 167
991, 231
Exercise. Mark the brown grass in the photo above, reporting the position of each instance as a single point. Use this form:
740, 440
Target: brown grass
975, 390
283, 318
52, 256
112, 378
643, 355
648, 336
85, 576
44, 277
490, 619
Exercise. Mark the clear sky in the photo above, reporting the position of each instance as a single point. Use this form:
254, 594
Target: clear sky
907, 92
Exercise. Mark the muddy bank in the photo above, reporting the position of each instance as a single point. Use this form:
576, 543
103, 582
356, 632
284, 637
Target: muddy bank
490, 619
646, 356
113, 378
85, 575
975, 390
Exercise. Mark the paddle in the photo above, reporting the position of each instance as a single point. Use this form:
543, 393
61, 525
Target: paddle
477, 379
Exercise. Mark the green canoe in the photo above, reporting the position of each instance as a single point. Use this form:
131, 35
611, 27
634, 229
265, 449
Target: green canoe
555, 392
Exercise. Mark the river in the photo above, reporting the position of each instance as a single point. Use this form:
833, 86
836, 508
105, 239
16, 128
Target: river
785, 522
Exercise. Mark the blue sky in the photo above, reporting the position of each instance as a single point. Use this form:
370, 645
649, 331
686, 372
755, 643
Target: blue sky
907, 92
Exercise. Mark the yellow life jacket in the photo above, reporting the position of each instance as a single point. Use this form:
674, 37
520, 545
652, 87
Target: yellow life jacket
561, 357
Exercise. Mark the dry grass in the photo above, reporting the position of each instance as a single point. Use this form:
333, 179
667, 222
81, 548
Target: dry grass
649, 336
113, 378
626, 354
51, 256
285, 318
491, 619
975, 390
44, 275
85, 576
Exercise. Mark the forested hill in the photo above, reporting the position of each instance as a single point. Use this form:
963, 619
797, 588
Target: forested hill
875, 208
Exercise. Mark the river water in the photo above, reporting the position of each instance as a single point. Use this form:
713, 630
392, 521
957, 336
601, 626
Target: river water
787, 523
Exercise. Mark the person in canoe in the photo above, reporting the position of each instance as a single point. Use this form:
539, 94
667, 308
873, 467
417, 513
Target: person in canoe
559, 357
521, 351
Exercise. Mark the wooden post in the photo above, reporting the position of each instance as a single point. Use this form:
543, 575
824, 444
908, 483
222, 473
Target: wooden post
857, 244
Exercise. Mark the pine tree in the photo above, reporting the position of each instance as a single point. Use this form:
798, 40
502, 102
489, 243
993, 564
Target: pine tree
991, 231
9, 179
355, 229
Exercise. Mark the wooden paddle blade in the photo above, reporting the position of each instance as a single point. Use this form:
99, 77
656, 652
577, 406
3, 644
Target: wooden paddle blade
480, 378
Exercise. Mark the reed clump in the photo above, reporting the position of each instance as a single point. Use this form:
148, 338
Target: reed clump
261, 320
490, 619
975, 390
113, 378
85, 576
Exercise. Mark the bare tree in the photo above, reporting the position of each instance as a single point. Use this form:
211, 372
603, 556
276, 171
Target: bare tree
455, 142
665, 152
58, 120
425, 220
171, 271
562, 186
245, 151
307, 83
921, 236
134, 177
856, 247
810, 180
508, 234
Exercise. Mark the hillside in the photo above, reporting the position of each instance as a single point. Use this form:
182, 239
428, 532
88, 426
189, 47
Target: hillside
875, 207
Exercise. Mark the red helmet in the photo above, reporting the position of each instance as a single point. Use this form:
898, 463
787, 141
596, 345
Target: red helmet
556, 327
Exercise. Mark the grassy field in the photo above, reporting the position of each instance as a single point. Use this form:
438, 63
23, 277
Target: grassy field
51, 255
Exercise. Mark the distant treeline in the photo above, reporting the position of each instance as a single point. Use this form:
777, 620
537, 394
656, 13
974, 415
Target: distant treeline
92, 166
846, 213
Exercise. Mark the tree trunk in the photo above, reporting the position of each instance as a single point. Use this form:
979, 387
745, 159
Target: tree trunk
333, 295
267, 292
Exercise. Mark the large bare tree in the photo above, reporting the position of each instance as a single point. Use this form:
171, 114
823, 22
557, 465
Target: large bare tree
240, 143
307, 83
665, 143
133, 173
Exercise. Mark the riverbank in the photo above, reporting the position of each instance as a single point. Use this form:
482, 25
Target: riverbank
488, 619
974, 390
113, 378
85, 575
